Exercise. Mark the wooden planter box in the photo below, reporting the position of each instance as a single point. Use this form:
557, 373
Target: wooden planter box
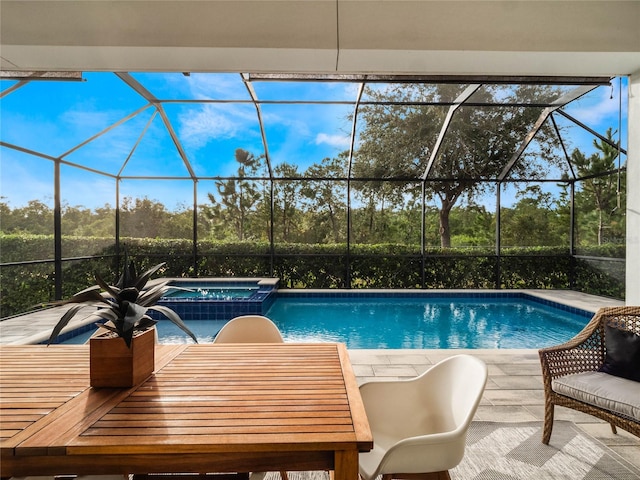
112, 364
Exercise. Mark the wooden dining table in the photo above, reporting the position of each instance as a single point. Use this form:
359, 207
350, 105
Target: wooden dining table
206, 408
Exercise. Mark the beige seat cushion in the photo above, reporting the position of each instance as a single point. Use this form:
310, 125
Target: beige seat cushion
602, 390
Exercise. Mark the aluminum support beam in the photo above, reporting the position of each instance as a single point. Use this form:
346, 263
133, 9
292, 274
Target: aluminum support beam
559, 102
470, 90
147, 95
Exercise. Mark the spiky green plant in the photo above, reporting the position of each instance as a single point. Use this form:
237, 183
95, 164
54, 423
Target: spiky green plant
123, 306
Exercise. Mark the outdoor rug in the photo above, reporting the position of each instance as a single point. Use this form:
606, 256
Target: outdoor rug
514, 451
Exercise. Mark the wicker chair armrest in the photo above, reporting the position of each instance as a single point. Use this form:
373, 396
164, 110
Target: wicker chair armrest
586, 351
583, 353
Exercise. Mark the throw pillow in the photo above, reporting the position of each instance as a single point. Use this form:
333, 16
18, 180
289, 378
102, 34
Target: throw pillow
622, 357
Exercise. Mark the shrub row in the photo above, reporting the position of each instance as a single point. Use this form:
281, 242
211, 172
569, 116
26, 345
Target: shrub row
25, 285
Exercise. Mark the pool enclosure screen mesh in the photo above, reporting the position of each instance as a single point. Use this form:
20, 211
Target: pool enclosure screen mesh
321, 180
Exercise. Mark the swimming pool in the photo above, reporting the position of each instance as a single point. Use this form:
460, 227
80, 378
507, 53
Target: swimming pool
412, 321
505, 321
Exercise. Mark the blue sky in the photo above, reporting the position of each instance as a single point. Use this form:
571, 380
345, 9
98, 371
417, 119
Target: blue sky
53, 118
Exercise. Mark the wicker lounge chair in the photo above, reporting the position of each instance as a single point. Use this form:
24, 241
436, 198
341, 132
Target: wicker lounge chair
578, 374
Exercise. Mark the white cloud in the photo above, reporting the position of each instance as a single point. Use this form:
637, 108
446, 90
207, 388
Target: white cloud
338, 141
200, 86
91, 193
212, 121
225, 86
89, 120
199, 126
601, 107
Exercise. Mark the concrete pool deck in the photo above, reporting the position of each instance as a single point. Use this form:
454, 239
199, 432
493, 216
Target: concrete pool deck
514, 391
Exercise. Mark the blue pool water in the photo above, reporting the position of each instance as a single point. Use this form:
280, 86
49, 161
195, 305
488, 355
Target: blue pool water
464, 322
386, 321
213, 293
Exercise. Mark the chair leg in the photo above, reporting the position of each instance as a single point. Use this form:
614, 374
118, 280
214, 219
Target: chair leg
444, 475
548, 422
614, 430
284, 475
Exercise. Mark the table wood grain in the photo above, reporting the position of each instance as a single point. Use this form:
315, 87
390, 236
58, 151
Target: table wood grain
207, 408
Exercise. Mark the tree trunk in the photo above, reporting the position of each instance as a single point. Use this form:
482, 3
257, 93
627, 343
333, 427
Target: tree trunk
334, 225
372, 210
445, 232
600, 226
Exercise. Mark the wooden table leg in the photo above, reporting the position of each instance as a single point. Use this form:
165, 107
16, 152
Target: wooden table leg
346, 465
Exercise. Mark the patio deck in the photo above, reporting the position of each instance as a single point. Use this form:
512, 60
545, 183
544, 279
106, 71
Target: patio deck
514, 390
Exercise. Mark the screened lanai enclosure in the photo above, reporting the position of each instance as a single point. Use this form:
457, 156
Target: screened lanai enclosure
324, 181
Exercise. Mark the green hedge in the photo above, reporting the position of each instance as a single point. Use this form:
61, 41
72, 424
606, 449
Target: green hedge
306, 266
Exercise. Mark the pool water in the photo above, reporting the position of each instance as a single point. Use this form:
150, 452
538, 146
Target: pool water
373, 322
213, 293
387, 322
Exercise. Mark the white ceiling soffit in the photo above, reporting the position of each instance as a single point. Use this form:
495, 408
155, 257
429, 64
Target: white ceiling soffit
524, 37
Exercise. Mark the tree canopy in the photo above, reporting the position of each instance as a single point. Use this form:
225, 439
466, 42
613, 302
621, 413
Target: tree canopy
405, 140
401, 160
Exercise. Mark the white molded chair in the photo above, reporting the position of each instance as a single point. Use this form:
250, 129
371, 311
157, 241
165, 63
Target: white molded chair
420, 425
249, 329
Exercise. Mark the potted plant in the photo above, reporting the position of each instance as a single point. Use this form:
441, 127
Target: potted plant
123, 355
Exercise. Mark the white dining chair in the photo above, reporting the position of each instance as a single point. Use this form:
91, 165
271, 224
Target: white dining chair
420, 425
249, 329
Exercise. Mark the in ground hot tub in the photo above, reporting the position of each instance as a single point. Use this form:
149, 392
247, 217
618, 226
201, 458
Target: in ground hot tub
219, 298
